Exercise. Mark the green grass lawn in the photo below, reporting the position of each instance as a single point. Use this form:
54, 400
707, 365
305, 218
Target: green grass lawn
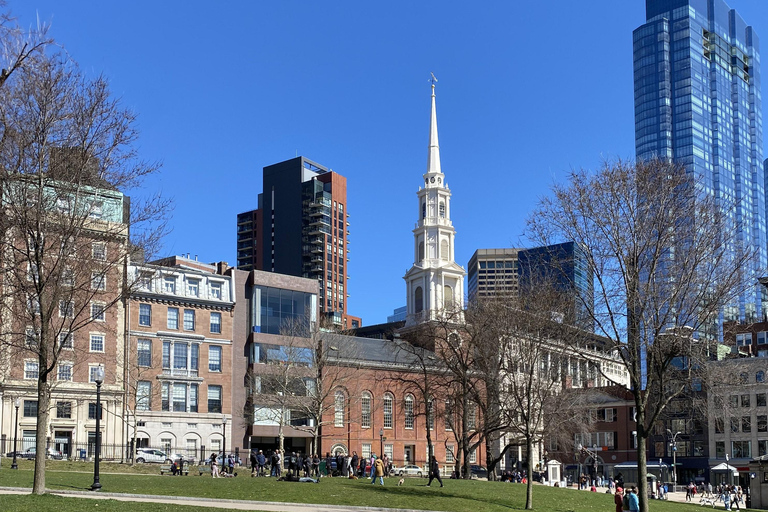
11, 503
457, 495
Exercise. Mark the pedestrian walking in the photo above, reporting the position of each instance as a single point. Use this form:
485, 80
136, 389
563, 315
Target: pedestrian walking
618, 499
434, 472
378, 471
634, 502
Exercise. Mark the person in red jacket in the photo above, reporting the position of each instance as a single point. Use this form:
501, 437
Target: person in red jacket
618, 499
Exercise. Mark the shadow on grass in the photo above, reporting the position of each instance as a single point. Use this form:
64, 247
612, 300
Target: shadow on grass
422, 492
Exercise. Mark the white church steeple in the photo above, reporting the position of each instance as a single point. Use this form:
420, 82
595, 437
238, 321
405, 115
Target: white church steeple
435, 283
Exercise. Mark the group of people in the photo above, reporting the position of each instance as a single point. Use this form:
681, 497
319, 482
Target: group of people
227, 466
730, 495
626, 499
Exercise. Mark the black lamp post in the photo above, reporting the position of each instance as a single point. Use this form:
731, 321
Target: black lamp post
673, 448
17, 403
381, 443
224, 447
99, 379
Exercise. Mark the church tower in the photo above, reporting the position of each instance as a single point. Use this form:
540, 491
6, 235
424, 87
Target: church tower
435, 283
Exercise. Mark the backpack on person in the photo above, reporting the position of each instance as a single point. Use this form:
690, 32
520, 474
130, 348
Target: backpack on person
625, 502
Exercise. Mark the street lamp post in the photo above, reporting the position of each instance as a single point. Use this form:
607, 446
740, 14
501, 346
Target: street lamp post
381, 442
99, 379
593, 454
728, 468
673, 447
17, 403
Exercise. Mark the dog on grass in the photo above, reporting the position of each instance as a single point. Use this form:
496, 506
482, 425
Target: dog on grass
401, 482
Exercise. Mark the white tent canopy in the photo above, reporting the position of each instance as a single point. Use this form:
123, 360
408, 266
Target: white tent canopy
724, 468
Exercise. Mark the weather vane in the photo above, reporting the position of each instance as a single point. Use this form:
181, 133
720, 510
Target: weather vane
433, 79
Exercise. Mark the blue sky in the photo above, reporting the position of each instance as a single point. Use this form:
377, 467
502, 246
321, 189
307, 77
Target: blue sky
527, 91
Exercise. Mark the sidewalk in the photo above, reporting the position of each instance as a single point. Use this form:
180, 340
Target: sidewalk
262, 506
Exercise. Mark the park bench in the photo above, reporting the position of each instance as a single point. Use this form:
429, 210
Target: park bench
166, 468
204, 470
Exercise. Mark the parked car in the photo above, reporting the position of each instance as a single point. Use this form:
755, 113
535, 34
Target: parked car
30, 453
478, 471
149, 455
409, 470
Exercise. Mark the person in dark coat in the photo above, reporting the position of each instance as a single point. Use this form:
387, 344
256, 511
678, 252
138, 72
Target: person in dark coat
328, 468
355, 462
434, 472
261, 460
254, 462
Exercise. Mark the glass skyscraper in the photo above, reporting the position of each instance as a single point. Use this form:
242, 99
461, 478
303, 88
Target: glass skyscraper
698, 103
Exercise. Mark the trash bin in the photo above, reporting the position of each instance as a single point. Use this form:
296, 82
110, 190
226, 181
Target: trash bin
82, 454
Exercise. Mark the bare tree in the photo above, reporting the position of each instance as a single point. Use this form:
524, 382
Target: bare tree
666, 260
19, 48
66, 229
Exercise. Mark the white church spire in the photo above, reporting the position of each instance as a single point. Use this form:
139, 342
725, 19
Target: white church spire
433, 160
435, 283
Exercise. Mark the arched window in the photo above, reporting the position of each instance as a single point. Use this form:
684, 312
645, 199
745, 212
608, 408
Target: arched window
447, 296
338, 409
743, 377
418, 299
408, 411
442, 210
365, 405
760, 376
388, 410
424, 210
444, 250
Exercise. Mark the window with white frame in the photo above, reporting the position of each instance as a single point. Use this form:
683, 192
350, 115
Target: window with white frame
365, 450
216, 323
389, 450
144, 352
365, 406
65, 371
471, 416
215, 445
31, 370
98, 311
179, 397
473, 456
68, 277
143, 395
65, 339
145, 315
99, 251
388, 412
169, 284
214, 399
214, 358
66, 309
173, 318
449, 454
189, 319
31, 338
98, 281
97, 343
193, 287
338, 409
215, 290
408, 411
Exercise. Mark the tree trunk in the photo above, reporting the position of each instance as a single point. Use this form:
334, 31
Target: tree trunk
41, 434
529, 474
642, 474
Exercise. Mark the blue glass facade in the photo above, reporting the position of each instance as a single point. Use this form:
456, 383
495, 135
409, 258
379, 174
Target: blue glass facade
698, 102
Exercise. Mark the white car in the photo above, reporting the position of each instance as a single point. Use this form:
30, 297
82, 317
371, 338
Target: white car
410, 470
150, 455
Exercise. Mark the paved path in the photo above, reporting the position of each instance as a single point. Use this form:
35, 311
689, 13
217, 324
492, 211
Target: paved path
262, 506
